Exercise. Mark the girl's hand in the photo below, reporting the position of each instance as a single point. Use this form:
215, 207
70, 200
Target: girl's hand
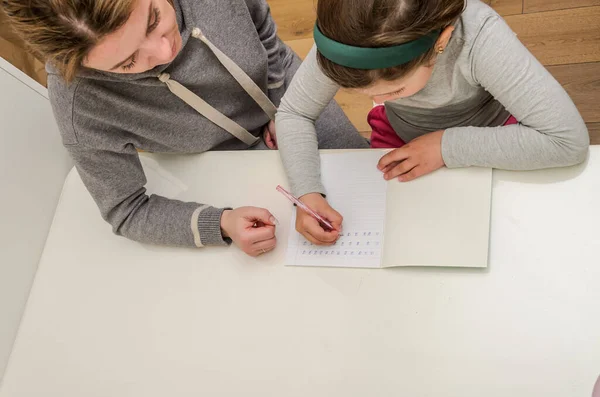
310, 228
417, 158
252, 229
270, 135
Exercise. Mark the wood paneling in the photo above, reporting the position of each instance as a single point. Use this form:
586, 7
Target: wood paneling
560, 37
547, 5
594, 129
295, 18
14, 50
366, 134
506, 7
582, 82
357, 107
301, 47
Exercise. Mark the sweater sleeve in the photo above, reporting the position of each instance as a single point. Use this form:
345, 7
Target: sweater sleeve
116, 182
111, 170
307, 96
267, 32
550, 133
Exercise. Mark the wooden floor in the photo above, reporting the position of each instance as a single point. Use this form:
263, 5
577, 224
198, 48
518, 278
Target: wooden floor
563, 34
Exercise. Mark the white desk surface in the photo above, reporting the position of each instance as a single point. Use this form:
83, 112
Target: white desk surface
109, 317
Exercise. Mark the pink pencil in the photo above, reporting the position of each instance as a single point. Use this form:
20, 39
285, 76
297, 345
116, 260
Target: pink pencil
305, 208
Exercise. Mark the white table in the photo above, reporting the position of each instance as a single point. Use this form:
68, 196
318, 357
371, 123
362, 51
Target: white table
109, 317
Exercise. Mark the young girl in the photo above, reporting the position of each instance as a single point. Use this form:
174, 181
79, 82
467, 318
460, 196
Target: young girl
176, 76
450, 73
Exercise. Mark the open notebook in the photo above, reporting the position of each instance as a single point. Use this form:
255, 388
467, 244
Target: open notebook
441, 219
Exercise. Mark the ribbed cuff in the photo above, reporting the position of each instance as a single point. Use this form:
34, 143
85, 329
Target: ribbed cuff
209, 226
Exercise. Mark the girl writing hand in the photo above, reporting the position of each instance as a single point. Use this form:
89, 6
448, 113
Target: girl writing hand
311, 228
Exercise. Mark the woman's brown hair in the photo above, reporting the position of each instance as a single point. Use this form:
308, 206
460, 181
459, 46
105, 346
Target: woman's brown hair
381, 23
63, 32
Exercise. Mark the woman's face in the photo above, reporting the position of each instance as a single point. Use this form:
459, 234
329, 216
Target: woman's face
149, 38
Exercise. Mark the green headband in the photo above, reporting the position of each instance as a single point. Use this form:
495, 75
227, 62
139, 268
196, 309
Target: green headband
373, 58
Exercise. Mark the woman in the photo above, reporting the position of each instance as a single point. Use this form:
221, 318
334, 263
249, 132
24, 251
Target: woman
176, 76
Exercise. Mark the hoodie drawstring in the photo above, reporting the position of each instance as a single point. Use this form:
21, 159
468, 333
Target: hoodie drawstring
210, 112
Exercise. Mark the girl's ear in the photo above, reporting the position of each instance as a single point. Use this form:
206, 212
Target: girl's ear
444, 39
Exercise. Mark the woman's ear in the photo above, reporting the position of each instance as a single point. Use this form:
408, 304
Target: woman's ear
444, 39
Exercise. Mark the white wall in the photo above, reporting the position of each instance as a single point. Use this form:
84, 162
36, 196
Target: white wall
33, 166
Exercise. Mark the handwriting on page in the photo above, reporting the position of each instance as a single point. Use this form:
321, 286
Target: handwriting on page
353, 249
357, 190
357, 244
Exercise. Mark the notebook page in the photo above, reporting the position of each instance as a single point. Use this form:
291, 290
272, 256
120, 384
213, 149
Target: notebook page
357, 190
440, 219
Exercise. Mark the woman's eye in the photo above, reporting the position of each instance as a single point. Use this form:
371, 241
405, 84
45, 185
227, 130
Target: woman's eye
155, 22
130, 65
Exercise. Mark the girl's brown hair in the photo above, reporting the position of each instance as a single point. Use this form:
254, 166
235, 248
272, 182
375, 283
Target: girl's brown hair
63, 32
381, 23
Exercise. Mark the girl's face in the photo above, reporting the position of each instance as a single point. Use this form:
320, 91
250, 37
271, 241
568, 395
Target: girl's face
382, 91
149, 38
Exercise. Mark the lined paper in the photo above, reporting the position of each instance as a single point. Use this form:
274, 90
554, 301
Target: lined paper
356, 189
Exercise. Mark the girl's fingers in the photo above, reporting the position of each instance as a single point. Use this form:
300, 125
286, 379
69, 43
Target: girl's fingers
413, 174
310, 238
313, 232
390, 166
400, 169
393, 156
334, 217
318, 234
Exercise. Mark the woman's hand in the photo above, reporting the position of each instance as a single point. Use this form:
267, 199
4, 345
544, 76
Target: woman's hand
417, 158
270, 135
252, 229
310, 228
